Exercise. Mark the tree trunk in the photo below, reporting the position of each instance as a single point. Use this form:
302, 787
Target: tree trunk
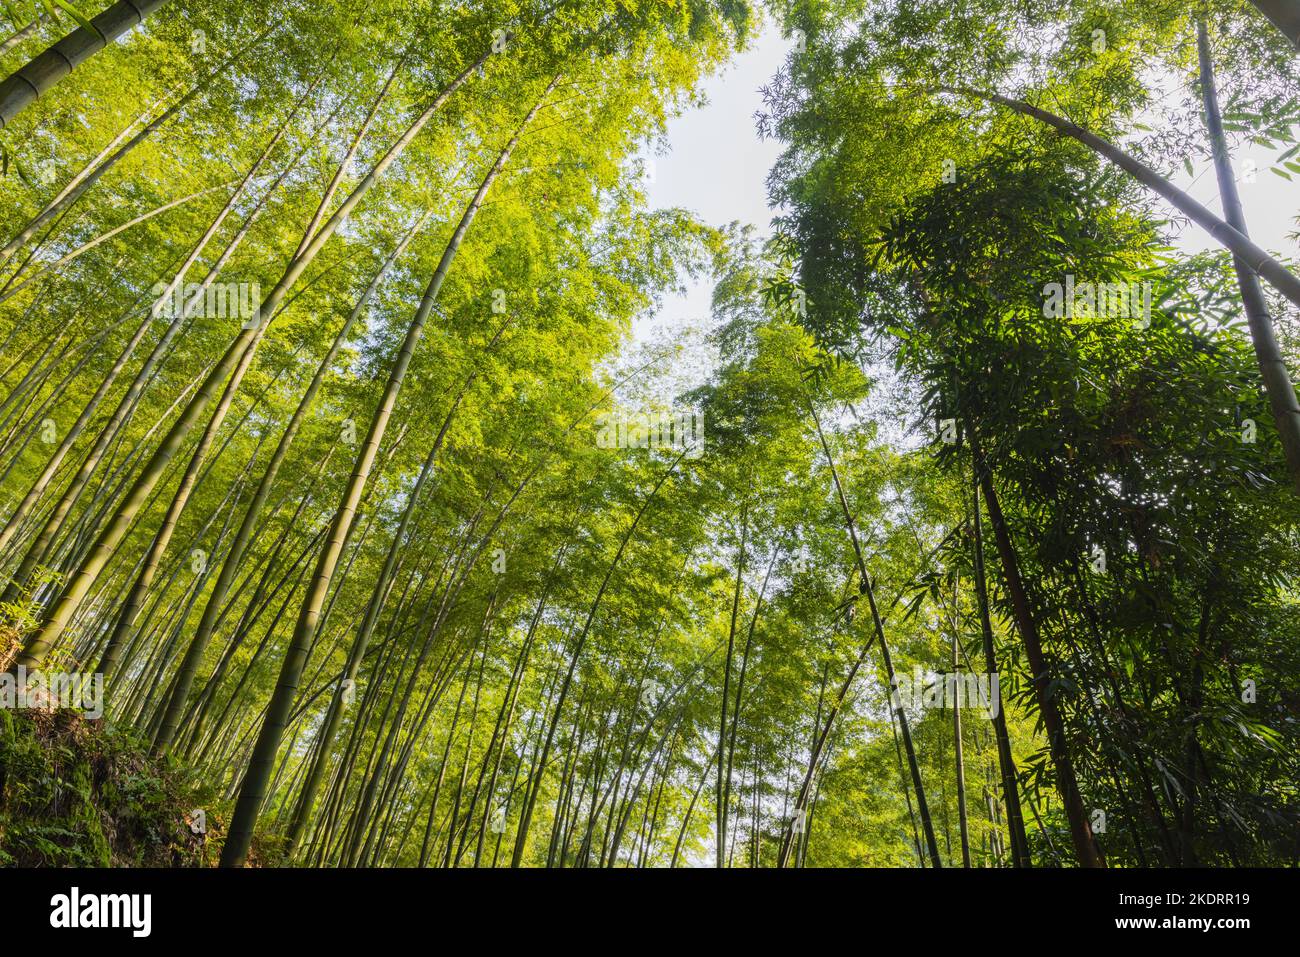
38, 75
721, 793
1006, 764
253, 789
230, 566
866, 588
1285, 15
1277, 380
1080, 829
84, 576
960, 767
530, 798
74, 190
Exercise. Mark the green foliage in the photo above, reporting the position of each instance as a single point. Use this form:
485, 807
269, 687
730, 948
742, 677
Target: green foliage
79, 793
580, 655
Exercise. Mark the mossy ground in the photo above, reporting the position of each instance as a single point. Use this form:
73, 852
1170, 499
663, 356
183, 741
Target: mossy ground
81, 793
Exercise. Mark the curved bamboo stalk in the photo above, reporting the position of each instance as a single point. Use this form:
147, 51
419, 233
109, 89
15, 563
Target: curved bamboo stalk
38, 75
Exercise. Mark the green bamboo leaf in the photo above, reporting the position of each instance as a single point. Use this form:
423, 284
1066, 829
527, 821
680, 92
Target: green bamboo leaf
81, 19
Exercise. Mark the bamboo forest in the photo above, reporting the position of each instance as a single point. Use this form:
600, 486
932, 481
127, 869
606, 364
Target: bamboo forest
367, 502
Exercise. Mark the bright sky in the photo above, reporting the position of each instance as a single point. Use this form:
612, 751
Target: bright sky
1271, 203
717, 167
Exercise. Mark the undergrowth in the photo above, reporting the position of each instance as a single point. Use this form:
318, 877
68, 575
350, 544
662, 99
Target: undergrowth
80, 793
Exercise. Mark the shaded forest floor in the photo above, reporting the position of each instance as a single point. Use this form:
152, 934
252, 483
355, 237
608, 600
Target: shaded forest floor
83, 793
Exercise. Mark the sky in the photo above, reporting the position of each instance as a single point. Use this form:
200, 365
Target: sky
1270, 202
716, 166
